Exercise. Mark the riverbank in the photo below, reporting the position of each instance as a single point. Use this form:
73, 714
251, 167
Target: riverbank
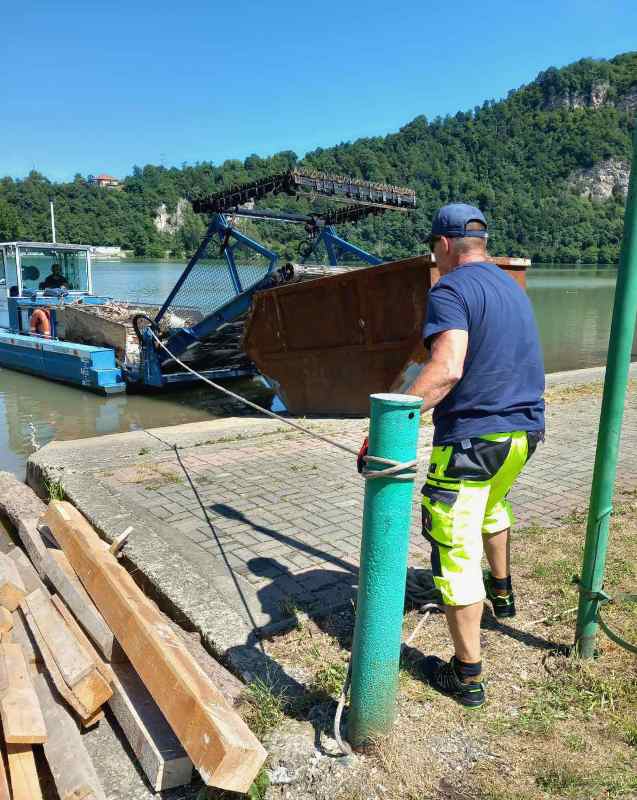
241, 526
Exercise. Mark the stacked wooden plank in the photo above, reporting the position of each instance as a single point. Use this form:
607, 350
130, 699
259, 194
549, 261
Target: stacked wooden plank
77, 633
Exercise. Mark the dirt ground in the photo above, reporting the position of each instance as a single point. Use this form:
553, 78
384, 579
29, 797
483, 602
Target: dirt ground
553, 726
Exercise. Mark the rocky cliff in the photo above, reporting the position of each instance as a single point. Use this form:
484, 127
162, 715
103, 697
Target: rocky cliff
605, 179
593, 98
166, 222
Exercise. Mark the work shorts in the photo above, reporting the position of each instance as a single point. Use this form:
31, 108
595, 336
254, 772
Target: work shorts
464, 499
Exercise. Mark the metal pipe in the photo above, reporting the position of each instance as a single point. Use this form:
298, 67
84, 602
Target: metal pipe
393, 434
615, 386
52, 222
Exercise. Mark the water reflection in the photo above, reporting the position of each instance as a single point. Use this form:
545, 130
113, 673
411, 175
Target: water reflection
573, 311
33, 411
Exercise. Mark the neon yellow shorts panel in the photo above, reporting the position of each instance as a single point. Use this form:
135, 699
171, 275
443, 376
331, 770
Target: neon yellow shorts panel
464, 499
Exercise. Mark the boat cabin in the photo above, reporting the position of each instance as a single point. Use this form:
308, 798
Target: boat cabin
36, 274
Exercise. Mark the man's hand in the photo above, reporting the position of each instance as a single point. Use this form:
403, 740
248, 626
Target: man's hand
360, 461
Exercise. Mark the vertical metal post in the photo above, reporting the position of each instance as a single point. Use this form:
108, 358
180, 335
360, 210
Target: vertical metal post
393, 434
53, 239
615, 385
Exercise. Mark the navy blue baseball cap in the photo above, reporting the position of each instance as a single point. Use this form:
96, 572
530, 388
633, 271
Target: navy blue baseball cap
452, 220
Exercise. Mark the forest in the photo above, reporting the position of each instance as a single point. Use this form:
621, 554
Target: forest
513, 157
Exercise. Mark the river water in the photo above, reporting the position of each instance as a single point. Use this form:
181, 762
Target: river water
573, 309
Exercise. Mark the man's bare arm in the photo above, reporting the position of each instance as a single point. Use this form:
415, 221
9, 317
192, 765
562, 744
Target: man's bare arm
438, 377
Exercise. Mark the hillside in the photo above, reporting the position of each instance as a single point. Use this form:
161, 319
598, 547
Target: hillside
548, 165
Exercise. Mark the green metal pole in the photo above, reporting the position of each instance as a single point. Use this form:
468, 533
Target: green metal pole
615, 385
393, 434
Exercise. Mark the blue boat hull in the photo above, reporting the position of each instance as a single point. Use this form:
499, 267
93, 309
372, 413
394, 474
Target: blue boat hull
86, 366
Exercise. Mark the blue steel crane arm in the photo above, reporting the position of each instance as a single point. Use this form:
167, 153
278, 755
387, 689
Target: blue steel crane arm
331, 238
182, 338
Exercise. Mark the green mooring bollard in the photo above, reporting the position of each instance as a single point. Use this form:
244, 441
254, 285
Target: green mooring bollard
393, 434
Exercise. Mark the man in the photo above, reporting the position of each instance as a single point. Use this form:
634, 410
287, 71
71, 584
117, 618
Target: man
55, 280
485, 382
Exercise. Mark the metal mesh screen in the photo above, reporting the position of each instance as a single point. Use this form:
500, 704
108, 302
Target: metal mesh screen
209, 284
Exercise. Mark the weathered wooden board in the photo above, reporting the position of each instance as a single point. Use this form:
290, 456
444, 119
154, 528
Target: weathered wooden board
24, 775
73, 661
23, 508
70, 764
159, 752
56, 676
11, 586
68, 586
6, 621
29, 576
5, 794
22, 721
220, 744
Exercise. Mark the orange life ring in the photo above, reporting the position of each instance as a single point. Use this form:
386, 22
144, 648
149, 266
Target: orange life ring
40, 322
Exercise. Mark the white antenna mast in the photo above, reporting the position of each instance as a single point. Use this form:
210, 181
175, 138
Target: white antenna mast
52, 221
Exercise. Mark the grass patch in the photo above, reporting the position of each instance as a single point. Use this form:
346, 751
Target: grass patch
54, 489
264, 708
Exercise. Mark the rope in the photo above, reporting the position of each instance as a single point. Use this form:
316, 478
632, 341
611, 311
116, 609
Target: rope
615, 637
404, 471
344, 747
400, 471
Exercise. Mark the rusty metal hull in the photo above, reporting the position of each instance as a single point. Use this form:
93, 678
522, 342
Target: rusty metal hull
327, 344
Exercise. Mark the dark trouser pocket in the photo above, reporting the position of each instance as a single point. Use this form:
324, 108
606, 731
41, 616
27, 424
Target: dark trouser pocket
533, 438
436, 566
479, 462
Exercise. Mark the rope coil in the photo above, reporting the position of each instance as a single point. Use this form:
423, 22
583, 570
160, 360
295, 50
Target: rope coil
399, 471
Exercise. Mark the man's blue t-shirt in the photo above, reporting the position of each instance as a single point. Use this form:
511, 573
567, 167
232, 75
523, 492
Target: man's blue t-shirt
502, 384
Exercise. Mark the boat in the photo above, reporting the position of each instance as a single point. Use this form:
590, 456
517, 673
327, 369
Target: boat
38, 280
326, 344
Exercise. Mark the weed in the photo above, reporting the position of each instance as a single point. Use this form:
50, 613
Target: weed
290, 608
265, 709
259, 787
54, 489
628, 730
558, 572
575, 742
575, 517
559, 779
255, 792
144, 451
532, 529
541, 713
330, 679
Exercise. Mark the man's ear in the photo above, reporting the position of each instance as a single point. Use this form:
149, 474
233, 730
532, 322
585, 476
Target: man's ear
446, 244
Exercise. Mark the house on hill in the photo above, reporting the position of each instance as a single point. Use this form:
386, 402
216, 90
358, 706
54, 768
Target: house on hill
105, 181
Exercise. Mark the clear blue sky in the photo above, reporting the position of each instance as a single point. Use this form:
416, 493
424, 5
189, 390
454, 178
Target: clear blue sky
100, 86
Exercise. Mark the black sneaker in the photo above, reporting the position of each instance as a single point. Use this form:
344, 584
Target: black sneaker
503, 605
442, 676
